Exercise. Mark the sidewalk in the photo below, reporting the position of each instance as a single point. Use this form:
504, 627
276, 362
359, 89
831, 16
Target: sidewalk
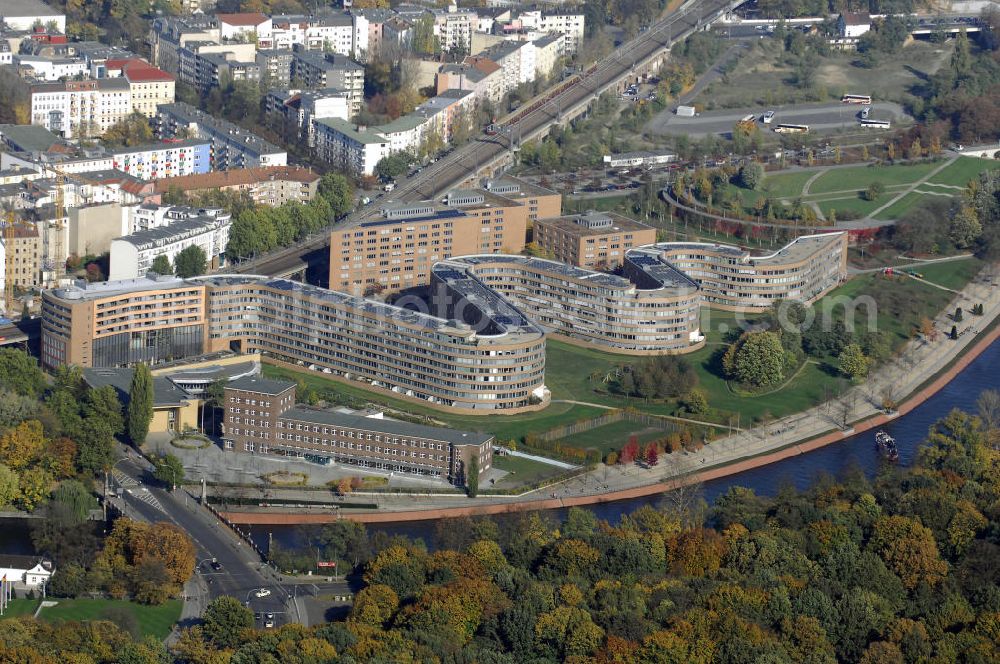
920, 361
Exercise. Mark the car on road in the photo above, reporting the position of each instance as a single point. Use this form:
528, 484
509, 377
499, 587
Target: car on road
268, 624
216, 565
865, 112
263, 592
768, 117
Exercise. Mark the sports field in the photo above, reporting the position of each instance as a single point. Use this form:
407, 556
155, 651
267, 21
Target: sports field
156, 621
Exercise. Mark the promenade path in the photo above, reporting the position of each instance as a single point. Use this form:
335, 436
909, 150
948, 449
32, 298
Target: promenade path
919, 362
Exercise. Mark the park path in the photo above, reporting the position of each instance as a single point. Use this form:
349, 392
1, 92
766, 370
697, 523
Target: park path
913, 186
913, 263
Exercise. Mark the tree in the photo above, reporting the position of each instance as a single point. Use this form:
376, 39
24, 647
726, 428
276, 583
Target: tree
954, 332
759, 360
338, 192
9, 485
76, 498
853, 362
751, 175
22, 445
132, 130
958, 315
103, 403
226, 620
874, 191
909, 549
652, 455
392, 166
696, 402
161, 265
472, 476
630, 452
19, 373
169, 470
190, 262
140, 404
34, 488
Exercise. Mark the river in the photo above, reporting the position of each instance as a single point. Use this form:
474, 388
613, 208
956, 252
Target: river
856, 452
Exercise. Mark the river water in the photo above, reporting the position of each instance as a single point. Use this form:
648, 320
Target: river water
856, 452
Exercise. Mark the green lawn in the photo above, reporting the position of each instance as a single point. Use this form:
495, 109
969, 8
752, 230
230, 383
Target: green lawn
156, 621
612, 436
850, 203
20, 607
859, 177
902, 206
504, 427
951, 274
523, 471
963, 170
786, 185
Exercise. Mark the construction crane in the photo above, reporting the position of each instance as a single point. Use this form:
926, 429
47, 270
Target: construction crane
60, 211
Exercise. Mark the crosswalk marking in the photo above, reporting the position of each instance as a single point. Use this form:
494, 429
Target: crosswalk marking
145, 496
123, 479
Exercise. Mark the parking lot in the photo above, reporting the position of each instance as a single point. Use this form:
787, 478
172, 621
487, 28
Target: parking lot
819, 117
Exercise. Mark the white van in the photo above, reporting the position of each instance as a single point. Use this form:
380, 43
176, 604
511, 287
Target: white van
768, 117
865, 112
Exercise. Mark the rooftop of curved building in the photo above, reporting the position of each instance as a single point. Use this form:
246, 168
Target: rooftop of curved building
795, 251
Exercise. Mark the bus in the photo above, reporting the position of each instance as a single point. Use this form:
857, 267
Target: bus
876, 124
791, 129
856, 99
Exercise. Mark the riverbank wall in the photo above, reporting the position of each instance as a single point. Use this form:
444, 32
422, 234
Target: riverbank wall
715, 472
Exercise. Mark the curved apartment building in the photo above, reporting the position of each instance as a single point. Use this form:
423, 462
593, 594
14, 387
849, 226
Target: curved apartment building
408, 353
730, 278
478, 343
654, 310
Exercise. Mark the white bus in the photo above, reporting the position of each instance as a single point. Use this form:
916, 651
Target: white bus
876, 124
791, 129
856, 99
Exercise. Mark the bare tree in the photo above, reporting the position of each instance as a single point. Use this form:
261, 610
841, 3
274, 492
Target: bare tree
988, 406
685, 500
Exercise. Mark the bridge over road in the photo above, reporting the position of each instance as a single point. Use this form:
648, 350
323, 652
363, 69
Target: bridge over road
489, 155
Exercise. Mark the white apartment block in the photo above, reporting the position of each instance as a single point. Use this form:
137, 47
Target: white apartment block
348, 147
44, 68
570, 25
343, 33
454, 27
80, 108
133, 255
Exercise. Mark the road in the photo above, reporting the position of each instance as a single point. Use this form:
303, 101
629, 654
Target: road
241, 574
455, 167
819, 117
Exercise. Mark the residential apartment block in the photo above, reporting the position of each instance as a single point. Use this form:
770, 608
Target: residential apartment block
732, 278
595, 240
293, 113
398, 251
133, 255
261, 417
271, 185
165, 159
23, 265
316, 69
232, 146
407, 354
148, 85
80, 108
